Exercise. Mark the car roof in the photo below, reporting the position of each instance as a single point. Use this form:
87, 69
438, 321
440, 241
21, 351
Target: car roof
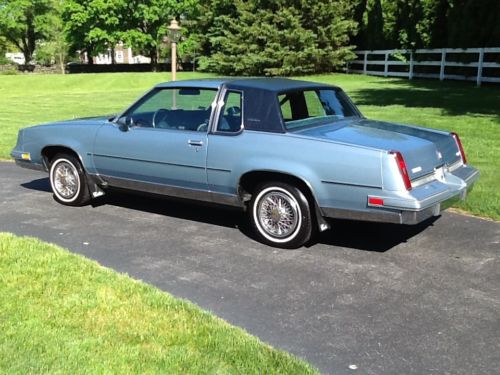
267, 83
206, 83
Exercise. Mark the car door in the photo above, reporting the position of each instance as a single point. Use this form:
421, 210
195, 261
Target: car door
227, 144
159, 143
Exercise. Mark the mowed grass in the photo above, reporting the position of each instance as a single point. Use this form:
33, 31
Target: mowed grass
472, 112
63, 314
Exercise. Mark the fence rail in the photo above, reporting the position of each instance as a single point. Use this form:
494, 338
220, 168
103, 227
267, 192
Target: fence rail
409, 61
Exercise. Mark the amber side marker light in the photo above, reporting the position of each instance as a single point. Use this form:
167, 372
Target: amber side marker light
460, 148
402, 168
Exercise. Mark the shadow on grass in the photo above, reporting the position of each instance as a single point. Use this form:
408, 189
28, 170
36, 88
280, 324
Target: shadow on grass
454, 98
365, 236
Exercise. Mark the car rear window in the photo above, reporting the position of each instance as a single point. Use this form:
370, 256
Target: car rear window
305, 108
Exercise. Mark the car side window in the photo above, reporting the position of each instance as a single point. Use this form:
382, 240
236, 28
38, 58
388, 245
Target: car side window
230, 116
313, 104
303, 108
179, 109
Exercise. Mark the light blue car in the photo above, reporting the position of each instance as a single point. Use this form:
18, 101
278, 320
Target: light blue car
291, 153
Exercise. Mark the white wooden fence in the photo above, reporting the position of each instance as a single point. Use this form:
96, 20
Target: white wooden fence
408, 61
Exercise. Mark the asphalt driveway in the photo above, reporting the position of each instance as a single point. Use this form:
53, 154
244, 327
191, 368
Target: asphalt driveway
368, 298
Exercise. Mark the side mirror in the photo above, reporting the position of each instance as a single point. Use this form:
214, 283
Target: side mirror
123, 123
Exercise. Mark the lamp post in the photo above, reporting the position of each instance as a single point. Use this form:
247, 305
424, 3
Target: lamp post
174, 33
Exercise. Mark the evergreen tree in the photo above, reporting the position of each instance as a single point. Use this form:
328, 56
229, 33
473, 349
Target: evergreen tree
374, 32
277, 37
474, 23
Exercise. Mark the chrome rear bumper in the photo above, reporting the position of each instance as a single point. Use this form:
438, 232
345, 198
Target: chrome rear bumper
467, 174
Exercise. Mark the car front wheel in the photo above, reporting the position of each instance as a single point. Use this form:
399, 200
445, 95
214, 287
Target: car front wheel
280, 215
68, 181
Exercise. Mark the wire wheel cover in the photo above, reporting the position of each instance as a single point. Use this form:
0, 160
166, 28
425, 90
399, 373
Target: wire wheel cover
66, 180
278, 214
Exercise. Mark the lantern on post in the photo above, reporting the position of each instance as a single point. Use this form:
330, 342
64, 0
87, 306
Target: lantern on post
174, 34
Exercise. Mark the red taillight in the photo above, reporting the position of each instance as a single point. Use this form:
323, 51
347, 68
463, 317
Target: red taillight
402, 168
374, 201
460, 148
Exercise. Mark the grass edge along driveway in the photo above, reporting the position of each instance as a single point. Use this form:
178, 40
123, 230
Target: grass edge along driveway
62, 313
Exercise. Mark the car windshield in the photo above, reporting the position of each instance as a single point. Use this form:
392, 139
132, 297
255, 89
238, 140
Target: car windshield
306, 108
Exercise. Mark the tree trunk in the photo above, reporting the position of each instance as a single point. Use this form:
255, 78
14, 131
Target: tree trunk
112, 52
30, 38
28, 56
153, 55
90, 53
61, 63
27, 53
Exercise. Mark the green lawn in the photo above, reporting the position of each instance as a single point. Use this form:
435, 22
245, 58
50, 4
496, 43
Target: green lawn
456, 106
63, 314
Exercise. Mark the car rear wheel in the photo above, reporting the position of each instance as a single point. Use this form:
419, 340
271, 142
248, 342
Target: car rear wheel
68, 181
280, 215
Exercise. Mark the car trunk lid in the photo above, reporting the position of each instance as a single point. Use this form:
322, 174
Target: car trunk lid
421, 155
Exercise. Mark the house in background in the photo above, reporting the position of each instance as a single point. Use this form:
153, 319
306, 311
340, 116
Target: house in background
123, 55
16, 57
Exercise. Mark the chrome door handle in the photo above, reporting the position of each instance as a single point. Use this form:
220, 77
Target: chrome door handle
195, 143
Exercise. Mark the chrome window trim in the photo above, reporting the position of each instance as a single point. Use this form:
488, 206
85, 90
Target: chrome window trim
220, 106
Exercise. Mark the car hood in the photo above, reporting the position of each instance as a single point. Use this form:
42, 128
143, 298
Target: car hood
80, 121
420, 154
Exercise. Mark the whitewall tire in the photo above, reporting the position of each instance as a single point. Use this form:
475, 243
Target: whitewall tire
68, 181
280, 215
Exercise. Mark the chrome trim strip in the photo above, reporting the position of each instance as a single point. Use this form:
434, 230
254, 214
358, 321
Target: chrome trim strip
148, 161
372, 215
473, 177
351, 184
174, 191
423, 180
392, 216
219, 169
455, 165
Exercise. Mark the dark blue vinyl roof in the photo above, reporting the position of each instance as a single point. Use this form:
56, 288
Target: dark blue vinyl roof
268, 84
274, 84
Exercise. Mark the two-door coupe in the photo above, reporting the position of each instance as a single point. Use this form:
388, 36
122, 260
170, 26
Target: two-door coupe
291, 153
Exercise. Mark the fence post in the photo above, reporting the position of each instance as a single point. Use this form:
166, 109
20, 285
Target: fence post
443, 64
386, 66
410, 72
365, 62
480, 67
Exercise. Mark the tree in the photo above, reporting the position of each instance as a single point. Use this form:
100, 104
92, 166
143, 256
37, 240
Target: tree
427, 23
474, 23
4, 45
23, 22
94, 26
148, 21
275, 37
374, 32
54, 48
